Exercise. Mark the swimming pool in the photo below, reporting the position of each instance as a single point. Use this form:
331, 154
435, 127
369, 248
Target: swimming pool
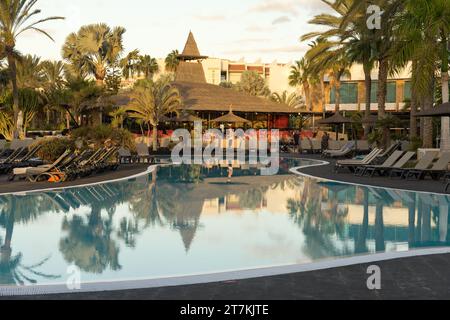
185, 220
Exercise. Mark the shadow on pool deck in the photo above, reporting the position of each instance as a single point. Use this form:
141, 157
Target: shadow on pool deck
410, 278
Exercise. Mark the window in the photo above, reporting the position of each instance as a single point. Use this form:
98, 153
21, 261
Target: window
407, 93
223, 76
391, 96
349, 94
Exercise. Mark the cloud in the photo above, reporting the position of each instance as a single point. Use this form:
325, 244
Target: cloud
210, 17
283, 6
286, 49
291, 7
251, 40
256, 28
280, 20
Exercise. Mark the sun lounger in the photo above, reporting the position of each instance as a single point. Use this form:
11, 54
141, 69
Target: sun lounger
316, 146
346, 150
305, 146
423, 164
334, 145
143, 153
389, 151
125, 156
372, 169
436, 172
34, 174
352, 164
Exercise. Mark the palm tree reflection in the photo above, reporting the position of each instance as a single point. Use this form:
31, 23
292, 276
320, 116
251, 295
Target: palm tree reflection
23, 210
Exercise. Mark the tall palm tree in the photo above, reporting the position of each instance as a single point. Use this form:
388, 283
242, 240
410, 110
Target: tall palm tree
172, 61
54, 86
299, 76
153, 100
94, 48
15, 18
148, 66
421, 38
351, 36
325, 57
130, 64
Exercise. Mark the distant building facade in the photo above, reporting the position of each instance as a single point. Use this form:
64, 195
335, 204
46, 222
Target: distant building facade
353, 91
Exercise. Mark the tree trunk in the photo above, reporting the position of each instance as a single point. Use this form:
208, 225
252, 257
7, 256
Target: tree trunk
307, 89
381, 97
445, 121
322, 94
414, 102
368, 84
18, 114
337, 96
155, 138
428, 102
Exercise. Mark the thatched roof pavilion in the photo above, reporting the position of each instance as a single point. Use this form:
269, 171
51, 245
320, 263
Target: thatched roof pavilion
200, 96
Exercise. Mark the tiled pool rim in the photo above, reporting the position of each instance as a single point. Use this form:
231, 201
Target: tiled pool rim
205, 278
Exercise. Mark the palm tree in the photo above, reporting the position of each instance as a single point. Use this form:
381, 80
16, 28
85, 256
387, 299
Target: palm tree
53, 74
300, 77
29, 72
148, 66
94, 48
421, 38
14, 20
172, 61
325, 57
153, 100
130, 64
292, 100
348, 40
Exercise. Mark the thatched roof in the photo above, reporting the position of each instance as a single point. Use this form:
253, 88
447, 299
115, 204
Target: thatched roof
208, 97
440, 111
337, 118
190, 72
231, 118
191, 51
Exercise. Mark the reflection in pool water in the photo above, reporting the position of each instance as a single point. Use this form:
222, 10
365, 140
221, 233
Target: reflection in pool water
184, 220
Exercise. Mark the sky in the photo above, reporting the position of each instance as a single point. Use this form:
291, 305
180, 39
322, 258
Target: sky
265, 30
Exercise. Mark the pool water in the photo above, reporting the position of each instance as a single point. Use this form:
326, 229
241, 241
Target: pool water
182, 220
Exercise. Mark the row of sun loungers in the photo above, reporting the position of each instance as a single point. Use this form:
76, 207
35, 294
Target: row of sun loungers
70, 166
335, 148
142, 156
397, 165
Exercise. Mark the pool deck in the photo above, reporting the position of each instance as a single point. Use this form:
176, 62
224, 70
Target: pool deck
25, 186
327, 172
426, 277
415, 278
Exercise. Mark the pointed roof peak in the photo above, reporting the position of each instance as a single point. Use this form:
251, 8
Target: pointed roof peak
191, 51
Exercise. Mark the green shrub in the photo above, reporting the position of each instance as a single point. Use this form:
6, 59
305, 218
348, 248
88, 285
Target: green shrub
96, 136
52, 148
